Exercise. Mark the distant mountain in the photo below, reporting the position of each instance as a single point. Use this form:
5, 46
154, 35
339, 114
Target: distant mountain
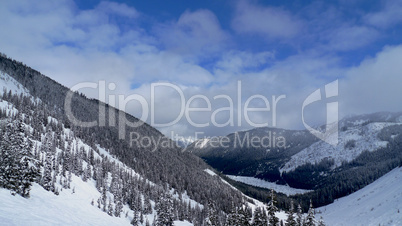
369, 146
262, 160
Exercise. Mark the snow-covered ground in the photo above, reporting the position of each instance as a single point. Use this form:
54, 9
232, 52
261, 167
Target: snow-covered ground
379, 203
45, 208
365, 138
67, 208
285, 189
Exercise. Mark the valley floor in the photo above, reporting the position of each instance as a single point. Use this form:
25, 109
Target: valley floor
285, 189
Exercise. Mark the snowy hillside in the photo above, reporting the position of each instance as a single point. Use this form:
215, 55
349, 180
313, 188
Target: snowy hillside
44, 208
360, 137
10, 84
285, 189
75, 205
379, 203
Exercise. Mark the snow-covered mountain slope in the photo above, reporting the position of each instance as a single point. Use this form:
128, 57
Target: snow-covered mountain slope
285, 189
379, 203
45, 208
76, 205
352, 142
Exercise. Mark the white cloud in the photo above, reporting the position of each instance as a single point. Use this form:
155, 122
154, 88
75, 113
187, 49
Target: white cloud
237, 61
194, 33
374, 85
268, 21
388, 16
351, 37
118, 9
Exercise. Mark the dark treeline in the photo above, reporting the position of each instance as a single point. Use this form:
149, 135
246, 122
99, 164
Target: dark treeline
342, 181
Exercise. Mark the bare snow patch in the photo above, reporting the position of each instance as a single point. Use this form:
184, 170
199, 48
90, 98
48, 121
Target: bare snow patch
10, 84
210, 172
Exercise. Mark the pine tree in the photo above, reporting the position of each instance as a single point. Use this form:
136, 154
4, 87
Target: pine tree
248, 213
212, 215
91, 157
104, 199
114, 185
272, 209
47, 180
87, 174
141, 217
147, 206
243, 216
67, 159
260, 218
110, 208
321, 222
310, 219
118, 209
299, 218
291, 219
164, 209
233, 217
18, 168
69, 179
135, 220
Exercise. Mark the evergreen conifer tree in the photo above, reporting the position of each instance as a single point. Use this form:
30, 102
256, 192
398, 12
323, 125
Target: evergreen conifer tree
310, 219
164, 209
272, 209
299, 217
291, 219
18, 168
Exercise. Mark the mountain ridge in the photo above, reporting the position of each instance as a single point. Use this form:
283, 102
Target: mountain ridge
309, 163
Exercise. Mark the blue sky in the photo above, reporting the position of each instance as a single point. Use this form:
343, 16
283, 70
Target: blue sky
275, 48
